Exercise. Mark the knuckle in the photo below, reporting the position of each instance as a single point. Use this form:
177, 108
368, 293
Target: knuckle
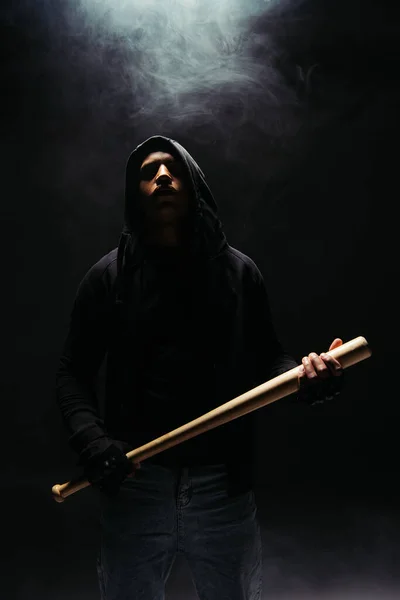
322, 370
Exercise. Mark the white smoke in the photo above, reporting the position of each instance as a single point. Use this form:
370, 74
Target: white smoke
183, 62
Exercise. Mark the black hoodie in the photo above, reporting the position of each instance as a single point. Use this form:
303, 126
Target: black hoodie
182, 332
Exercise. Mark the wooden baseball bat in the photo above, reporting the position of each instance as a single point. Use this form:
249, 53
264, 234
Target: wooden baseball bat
347, 354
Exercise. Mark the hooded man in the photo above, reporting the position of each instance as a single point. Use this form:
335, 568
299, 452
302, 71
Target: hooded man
183, 321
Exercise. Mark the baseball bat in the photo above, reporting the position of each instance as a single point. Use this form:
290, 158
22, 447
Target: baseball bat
279, 387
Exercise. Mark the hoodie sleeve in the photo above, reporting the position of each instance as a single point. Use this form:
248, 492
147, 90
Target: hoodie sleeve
82, 355
270, 357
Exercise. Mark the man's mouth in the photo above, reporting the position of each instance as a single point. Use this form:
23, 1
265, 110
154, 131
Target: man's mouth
164, 192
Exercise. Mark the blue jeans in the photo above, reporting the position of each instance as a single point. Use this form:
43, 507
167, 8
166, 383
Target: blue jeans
164, 511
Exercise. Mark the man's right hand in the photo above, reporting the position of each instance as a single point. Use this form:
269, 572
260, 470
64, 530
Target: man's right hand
107, 467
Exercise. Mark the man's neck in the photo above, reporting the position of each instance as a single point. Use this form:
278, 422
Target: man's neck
167, 236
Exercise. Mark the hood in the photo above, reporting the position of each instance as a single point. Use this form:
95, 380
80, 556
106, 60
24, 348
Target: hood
207, 237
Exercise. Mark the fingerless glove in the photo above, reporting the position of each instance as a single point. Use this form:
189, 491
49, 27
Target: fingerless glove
105, 464
320, 391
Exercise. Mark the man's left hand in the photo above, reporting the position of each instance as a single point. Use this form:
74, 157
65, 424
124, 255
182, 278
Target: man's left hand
320, 376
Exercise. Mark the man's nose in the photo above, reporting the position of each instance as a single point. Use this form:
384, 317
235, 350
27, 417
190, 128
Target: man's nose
163, 174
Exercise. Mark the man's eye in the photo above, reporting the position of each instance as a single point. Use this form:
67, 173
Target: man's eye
150, 171
175, 168
147, 173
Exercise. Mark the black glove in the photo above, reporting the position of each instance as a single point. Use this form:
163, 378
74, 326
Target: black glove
105, 464
319, 391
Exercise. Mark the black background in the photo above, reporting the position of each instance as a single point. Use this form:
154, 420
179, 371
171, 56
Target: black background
313, 203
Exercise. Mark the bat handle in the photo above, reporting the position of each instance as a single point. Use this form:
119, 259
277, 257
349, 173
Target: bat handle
61, 491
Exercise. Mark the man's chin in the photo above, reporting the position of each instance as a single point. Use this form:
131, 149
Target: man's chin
168, 207
167, 200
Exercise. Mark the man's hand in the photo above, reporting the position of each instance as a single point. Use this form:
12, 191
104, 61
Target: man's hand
106, 465
320, 376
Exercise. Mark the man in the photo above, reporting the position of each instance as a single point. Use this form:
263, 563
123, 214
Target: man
184, 321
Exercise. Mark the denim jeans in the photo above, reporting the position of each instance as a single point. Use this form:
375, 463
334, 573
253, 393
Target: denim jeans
164, 511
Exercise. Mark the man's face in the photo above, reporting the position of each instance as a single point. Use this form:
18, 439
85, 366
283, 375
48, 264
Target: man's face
163, 189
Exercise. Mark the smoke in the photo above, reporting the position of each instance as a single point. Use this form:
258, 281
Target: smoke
180, 65
234, 72
245, 84
179, 53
